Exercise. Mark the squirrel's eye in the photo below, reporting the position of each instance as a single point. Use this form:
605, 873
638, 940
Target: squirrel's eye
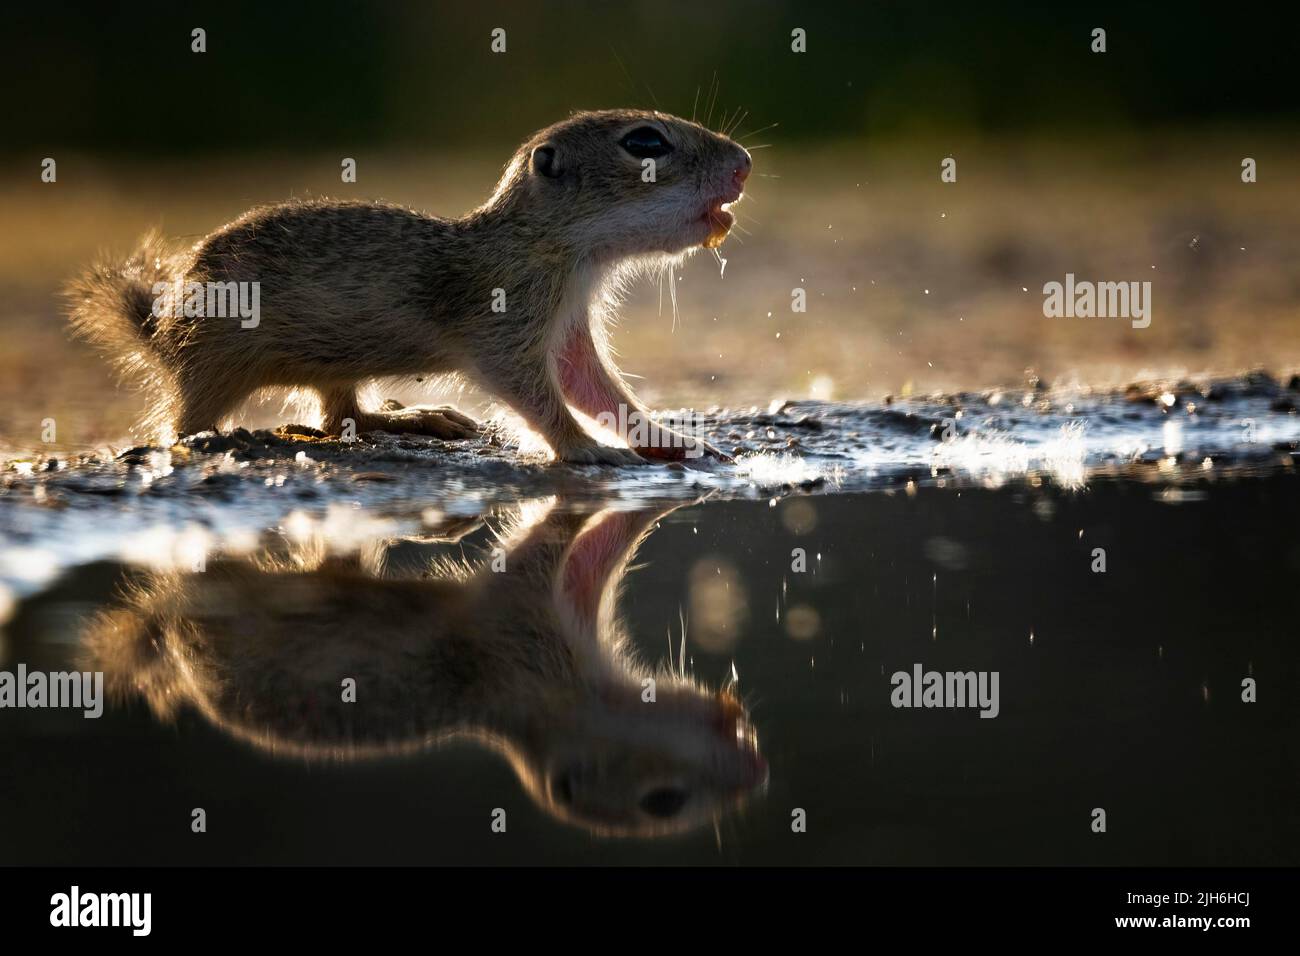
646, 142
664, 802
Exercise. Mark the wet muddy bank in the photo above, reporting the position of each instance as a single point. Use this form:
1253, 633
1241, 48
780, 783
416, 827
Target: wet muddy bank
56, 512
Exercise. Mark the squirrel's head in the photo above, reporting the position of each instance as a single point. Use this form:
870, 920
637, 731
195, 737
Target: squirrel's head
647, 768
622, 183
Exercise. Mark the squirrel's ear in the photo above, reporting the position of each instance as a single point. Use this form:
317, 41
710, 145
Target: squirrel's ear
546, 162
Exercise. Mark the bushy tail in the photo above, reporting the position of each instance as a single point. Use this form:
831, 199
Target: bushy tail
111, 306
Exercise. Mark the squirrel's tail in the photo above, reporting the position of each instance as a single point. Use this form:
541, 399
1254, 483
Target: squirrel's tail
111, 305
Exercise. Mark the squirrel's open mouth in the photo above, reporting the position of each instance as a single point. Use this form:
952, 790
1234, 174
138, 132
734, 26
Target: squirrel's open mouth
719, 219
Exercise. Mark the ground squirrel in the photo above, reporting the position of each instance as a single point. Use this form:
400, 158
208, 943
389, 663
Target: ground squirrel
515, 295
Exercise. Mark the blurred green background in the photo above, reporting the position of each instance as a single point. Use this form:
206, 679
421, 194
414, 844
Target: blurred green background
326, 74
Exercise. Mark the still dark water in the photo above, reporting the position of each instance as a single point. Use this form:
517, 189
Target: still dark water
520, 690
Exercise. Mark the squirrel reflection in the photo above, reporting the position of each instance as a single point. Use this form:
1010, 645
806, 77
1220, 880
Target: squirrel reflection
530, 659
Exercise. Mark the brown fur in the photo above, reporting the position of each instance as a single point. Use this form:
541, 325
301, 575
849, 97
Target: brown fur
353, 291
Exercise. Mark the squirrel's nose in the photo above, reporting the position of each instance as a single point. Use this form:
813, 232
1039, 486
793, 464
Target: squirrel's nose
744, 165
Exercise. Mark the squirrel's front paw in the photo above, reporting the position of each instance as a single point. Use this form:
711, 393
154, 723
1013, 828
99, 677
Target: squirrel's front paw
686, 450
600, 455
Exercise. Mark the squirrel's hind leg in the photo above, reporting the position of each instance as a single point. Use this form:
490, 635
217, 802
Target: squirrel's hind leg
339, 405
198, 407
